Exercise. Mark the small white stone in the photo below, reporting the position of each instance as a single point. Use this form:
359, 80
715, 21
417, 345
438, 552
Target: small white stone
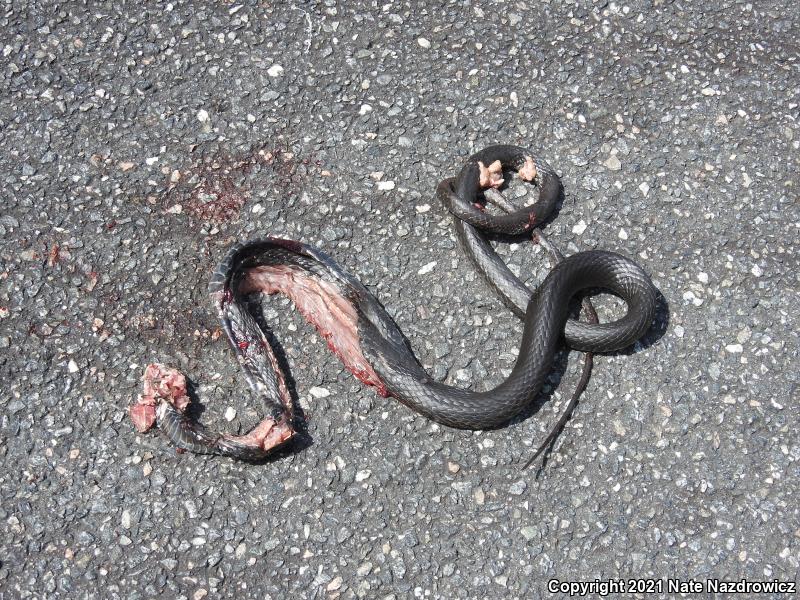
230, 414
126, 519
579, 227
151, 161
702, 277
679, 331
319, 392
423, 42
275, 71
386, 185
423, 208
644, 187
363, 475
257, 209
72, 366
707, 91
365, 108
612, 163
734, 348
251, 118
746, 180
623, 235
427, 268
202, 115
100, 93
689, 295
335, 584
757, 271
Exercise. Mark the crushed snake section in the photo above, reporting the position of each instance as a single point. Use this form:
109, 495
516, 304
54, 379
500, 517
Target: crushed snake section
165, 398
321, 304
161, 384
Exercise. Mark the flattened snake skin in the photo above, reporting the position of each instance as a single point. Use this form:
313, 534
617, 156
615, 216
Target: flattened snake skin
360, 331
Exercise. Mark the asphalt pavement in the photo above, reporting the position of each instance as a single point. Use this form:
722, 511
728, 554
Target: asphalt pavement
140, 140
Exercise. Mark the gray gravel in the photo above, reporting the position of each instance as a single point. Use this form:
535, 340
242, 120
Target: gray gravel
140, 140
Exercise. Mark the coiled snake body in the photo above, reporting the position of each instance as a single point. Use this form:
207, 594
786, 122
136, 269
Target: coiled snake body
369, 343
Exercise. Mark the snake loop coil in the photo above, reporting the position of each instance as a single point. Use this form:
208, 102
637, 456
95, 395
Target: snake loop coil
368, 342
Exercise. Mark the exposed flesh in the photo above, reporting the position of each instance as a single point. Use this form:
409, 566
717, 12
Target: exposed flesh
322, 304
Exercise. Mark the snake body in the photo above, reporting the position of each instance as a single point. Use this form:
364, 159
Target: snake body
370, 344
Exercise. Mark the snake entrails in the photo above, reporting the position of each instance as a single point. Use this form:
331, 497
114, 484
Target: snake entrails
369, 343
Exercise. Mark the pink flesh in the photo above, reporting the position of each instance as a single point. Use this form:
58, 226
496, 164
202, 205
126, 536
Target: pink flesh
266, 435
491, 176
166, 382
528, 171
322, 305
160, 383
142, 415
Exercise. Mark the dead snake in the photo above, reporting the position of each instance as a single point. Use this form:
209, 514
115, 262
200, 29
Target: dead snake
369, 343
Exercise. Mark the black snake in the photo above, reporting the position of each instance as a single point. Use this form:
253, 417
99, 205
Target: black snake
369, 343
